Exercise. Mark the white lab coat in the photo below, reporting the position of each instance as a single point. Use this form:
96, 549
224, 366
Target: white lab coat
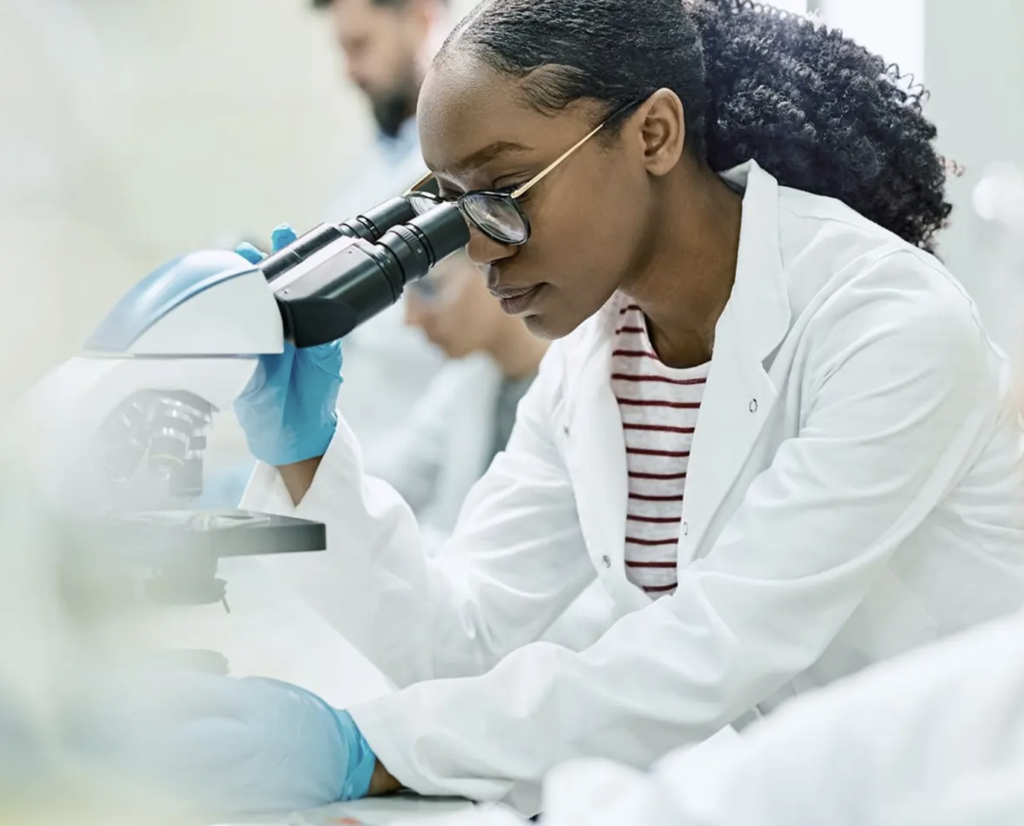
855, 490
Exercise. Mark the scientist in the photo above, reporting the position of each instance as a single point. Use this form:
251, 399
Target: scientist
771, 425
386, 46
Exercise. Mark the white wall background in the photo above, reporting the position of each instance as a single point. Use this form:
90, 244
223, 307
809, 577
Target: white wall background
891, 28
970, 56
974, 62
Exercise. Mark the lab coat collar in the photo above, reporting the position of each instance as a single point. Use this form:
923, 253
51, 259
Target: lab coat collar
739, 396
759, 304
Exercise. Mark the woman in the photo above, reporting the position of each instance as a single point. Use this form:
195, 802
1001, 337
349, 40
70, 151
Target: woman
715, 209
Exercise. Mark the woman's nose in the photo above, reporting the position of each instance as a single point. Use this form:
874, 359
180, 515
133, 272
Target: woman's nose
483, 250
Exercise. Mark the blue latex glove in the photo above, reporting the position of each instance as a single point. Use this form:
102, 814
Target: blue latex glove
230, 746
289, 409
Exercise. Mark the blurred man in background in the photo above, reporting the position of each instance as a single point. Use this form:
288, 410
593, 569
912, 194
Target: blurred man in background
386, 46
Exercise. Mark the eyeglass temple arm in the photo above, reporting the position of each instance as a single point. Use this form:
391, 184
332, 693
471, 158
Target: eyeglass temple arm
551, 167
529, 184
422, 182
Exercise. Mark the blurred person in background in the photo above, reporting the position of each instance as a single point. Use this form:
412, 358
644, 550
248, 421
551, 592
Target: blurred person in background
386, 47
465, 418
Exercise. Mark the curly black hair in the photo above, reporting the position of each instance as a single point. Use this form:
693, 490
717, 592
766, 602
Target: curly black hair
813, 108
392, 4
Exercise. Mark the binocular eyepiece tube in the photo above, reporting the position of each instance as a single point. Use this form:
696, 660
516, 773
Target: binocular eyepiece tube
338, 276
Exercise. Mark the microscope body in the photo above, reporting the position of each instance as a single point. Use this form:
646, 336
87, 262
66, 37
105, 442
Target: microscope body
118, 433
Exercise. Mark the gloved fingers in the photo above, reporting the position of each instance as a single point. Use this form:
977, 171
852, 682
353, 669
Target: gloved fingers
250, 253
282, 236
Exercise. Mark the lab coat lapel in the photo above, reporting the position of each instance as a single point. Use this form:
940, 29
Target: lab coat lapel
739, 395
596, 455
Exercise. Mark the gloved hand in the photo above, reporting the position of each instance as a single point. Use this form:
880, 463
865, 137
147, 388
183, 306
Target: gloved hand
288, 411
229, 746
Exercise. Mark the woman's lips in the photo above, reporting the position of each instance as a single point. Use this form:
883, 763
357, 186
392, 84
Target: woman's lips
515, 302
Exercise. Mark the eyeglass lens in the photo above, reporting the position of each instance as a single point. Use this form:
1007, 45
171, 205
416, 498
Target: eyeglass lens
496, 216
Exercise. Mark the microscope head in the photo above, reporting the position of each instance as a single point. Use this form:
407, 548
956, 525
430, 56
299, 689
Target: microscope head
119, 432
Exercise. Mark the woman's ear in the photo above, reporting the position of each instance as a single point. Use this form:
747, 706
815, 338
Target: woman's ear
662, 131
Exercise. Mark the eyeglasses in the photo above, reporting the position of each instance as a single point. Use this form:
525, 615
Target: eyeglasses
499, 214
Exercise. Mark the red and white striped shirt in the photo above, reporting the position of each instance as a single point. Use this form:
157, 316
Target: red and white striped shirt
659, 407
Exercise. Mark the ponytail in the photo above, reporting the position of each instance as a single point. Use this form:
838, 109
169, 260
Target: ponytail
813, 108
821, 114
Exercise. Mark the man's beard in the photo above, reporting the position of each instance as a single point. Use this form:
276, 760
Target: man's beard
393, 108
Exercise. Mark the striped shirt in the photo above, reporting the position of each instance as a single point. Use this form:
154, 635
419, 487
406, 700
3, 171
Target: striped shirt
658, 406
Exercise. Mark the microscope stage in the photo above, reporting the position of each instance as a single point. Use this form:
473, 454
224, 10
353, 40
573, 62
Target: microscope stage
155, 538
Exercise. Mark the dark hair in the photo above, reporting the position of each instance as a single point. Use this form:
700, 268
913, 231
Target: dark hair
813, 108
390, 4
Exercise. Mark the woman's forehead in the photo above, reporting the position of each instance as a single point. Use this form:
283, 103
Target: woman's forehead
471, 115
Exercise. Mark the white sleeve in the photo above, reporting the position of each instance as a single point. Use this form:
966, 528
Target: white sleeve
933, 738
892, 382
516, 561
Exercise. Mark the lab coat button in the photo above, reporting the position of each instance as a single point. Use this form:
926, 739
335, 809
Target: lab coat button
565, 429
753, 405
686, 529
606, 561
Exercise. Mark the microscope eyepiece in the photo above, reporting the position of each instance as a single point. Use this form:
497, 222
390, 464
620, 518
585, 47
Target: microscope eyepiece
369, 226
427, 239
350, 280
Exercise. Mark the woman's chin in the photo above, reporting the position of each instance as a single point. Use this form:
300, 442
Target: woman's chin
553, 324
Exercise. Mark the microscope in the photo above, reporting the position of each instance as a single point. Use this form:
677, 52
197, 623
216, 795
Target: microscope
115, 437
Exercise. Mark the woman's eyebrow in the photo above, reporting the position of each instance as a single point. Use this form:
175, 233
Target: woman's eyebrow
489, 153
